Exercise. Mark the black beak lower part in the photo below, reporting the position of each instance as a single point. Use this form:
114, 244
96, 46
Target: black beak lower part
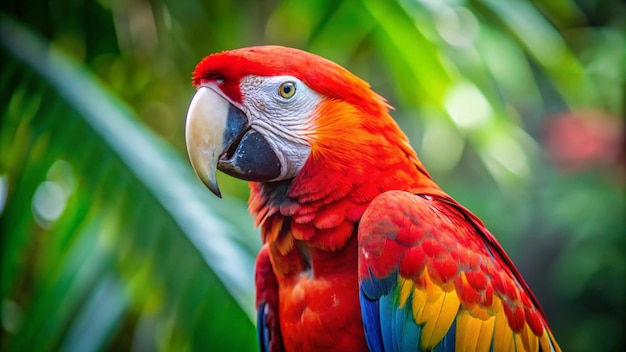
236, 126
252, 160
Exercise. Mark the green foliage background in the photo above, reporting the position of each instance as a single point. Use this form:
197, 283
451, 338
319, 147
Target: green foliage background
109, 242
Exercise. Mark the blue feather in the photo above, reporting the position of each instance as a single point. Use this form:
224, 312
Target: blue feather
371, 323
388, 327
261, 328
387, 308
374, 287
411, 332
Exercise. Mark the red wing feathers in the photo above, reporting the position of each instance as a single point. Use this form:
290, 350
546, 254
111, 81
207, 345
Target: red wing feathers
430, 258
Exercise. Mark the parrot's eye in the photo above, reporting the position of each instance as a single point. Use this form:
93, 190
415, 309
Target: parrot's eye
287, 90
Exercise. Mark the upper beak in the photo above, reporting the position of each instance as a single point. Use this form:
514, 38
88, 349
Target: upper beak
219, 136
204, 134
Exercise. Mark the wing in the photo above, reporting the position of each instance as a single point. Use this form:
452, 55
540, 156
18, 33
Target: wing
431, 277
268, 327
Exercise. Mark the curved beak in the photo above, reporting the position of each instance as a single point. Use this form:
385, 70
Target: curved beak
206, 122
218, 136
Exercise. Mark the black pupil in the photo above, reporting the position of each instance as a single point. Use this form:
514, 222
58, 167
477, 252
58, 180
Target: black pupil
287, 89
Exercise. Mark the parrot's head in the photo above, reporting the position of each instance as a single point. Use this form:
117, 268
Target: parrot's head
260, 113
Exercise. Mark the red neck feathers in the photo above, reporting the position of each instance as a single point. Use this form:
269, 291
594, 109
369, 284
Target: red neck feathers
355, 156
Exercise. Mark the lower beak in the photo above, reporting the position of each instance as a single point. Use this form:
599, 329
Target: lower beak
219, 136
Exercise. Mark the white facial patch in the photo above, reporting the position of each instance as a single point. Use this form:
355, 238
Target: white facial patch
283, 119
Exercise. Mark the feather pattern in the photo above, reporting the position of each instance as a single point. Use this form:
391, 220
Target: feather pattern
449, 273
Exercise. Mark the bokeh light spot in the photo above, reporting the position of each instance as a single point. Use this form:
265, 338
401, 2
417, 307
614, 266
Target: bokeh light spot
468, 107
50, 198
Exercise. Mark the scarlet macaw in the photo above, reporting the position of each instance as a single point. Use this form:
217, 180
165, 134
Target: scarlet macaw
361, 248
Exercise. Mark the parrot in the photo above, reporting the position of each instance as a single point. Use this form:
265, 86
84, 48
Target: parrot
361, 250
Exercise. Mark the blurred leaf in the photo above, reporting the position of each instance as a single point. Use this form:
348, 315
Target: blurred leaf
97, 204
412, 56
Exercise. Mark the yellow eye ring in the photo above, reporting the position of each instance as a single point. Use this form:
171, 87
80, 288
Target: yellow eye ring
287, 90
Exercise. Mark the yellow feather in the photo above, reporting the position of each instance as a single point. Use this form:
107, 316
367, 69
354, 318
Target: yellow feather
473, 334
518, 342
532, 343
496, 305
406, 287
477, 312
467, 331
433, 295
421, 297
512, 346
486, 334
433, 292
417, 304
433, 308
441, 316
544, 341
502, 335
